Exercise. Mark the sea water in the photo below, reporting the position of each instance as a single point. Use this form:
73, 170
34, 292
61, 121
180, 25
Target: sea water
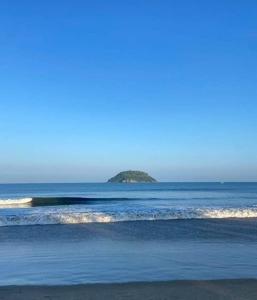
87, 233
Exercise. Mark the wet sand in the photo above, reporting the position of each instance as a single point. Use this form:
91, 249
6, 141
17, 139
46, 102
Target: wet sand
240, 289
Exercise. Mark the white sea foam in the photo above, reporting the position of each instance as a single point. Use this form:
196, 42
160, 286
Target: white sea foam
51, 217
14, 202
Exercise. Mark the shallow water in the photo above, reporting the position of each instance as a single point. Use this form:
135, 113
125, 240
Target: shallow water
128, 251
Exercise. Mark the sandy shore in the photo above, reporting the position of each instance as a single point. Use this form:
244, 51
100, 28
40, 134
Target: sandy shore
243, 289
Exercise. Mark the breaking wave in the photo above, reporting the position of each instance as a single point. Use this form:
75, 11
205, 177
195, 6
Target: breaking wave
47, 218
15, 202
56, 201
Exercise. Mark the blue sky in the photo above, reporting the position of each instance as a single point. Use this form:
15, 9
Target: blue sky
90, 88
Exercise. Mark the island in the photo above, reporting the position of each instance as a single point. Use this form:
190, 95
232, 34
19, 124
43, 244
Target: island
132, 177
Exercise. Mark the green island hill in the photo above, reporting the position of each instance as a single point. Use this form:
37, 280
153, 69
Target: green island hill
132, 177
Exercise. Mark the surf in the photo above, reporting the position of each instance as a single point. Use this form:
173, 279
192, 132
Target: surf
90, 216
58, 201
15, 202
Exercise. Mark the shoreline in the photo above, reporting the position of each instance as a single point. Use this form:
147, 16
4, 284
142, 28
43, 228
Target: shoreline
236, 289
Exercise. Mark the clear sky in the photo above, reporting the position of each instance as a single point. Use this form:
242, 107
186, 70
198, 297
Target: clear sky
90, 88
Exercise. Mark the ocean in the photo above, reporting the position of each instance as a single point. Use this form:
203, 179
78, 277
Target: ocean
103, 232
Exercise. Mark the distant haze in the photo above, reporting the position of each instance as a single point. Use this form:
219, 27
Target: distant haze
92, 88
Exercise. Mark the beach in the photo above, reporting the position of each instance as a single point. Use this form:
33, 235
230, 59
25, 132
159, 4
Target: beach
128, 166
180, 290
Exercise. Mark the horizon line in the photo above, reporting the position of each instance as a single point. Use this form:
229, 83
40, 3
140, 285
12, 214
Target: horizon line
129, 183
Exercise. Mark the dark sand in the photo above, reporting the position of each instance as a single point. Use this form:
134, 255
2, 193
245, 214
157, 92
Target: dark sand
243, 289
